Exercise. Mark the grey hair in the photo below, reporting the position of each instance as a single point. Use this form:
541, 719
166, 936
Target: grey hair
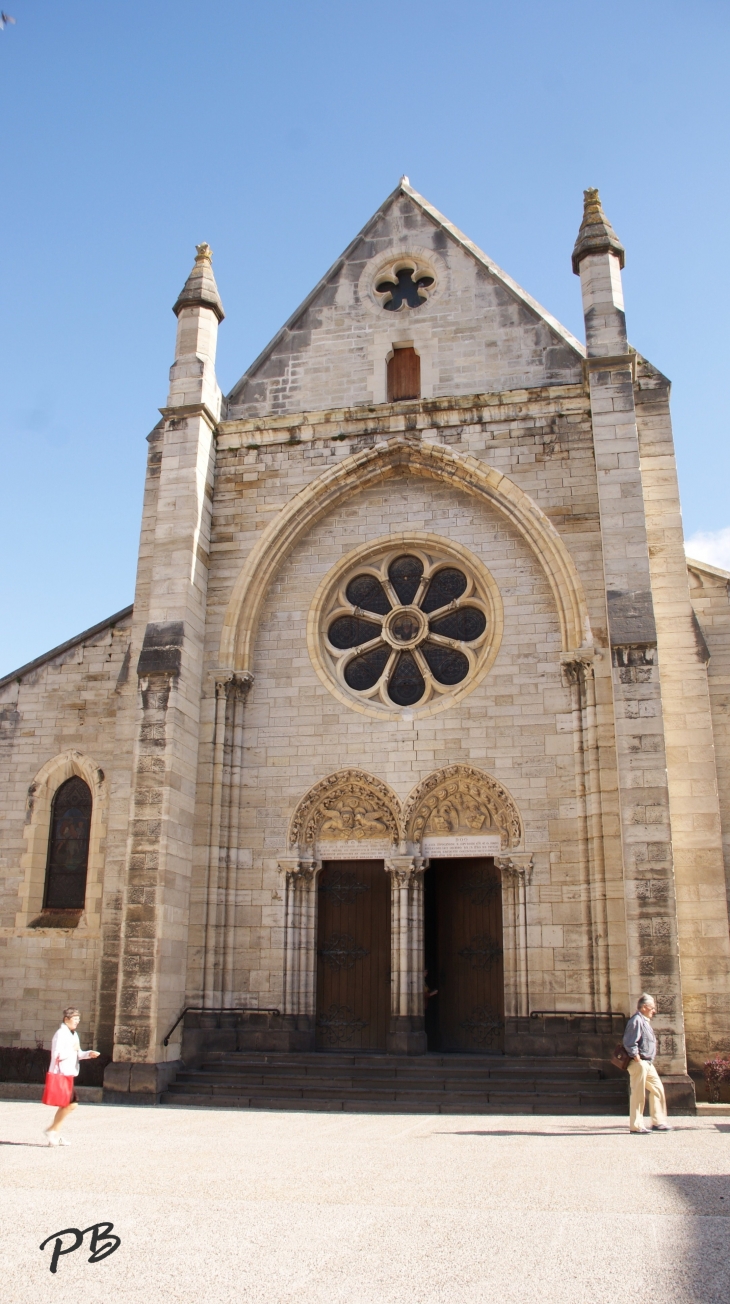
646, 998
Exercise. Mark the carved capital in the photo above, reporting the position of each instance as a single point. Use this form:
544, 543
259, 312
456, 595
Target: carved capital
233, 686
515, 866
405, 871
299, 873
578, 665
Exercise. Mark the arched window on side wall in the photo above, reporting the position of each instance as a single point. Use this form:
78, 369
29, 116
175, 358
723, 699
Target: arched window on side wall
68, 847
404, 375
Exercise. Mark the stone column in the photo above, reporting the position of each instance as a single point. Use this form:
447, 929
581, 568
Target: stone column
515, 869
300, 948
652, 960
231, 691
578, 668
407, 1034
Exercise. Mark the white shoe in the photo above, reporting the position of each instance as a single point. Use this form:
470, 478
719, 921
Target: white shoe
63, 1141
640, 1131
52, 1138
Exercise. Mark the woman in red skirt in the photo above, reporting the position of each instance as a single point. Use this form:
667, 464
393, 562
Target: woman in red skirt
60, 1086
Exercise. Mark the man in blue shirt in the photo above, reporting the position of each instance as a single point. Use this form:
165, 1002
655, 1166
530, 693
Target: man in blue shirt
640, 1042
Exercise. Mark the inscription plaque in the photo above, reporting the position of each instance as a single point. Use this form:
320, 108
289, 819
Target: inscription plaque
449, 848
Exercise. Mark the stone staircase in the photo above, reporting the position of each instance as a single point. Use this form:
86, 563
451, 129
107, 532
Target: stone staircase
396, 1084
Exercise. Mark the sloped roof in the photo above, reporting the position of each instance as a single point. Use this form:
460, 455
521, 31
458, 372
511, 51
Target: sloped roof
709, 570
66, 647
405, 188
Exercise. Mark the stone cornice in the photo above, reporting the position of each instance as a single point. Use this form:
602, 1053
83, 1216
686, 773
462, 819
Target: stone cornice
391, 419
186, 410
611, 363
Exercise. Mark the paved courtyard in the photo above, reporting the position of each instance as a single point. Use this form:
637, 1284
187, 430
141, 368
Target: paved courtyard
368, 1209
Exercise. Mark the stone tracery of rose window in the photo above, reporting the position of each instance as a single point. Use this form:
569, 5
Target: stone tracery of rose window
407, 629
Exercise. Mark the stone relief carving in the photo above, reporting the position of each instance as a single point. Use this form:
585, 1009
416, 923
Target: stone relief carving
462, 800
348, 806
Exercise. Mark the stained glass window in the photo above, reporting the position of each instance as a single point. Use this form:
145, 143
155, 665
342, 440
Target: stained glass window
68, 850
351, 631
447, 664
406, 685
466, 624
446, 586
367, 592
363, 672
405, 575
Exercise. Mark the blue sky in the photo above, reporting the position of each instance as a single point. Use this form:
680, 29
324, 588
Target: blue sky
273, 131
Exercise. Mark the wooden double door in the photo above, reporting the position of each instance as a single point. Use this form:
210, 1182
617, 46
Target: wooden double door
464, 961
353, 956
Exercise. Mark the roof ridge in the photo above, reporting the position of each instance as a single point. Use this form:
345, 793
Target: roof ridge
493, 267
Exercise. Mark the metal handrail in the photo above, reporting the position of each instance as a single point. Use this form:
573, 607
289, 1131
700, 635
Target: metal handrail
576, 1014
223, 1009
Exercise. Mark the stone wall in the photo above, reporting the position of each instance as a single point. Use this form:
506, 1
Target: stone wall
710, 595
58, 718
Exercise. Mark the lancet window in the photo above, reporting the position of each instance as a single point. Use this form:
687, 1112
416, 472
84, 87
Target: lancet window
68, 848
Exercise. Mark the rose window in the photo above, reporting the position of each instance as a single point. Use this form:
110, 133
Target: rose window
409, 628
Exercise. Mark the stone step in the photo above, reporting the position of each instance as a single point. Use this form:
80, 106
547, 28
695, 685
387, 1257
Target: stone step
504, 1068
398, 1084
383, 1061
446, 1105
251, 1081
407, 1080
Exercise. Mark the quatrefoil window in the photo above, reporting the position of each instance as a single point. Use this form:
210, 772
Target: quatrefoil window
408, 628
404, 286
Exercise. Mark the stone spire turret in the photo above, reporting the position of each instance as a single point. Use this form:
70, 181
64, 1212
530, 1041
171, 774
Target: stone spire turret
598, 258
200, 289
596, 235
170, 615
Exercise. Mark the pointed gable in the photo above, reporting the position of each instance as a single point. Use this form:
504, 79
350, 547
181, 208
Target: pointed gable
474, 329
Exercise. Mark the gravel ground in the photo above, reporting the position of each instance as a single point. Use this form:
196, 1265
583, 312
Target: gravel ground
214, 1205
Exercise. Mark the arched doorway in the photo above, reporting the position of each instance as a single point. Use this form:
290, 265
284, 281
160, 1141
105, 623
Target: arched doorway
464, 955
353, 956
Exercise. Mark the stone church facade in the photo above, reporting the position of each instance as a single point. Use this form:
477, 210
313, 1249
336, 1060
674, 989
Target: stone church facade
418, 691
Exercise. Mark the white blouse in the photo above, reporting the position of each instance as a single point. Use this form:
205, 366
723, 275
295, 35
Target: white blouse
66, 1052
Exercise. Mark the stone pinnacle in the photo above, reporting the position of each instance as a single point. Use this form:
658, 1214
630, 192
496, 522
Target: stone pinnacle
596, 235
200, 287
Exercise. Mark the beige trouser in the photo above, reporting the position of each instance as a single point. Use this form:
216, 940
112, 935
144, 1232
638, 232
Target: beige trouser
644, 1077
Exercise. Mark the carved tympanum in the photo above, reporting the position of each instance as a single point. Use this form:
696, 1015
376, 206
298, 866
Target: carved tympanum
462, 800
349, 806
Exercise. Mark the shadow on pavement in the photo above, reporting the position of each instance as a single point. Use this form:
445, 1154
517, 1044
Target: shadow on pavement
494, 1131
38, 1145
707, 1265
